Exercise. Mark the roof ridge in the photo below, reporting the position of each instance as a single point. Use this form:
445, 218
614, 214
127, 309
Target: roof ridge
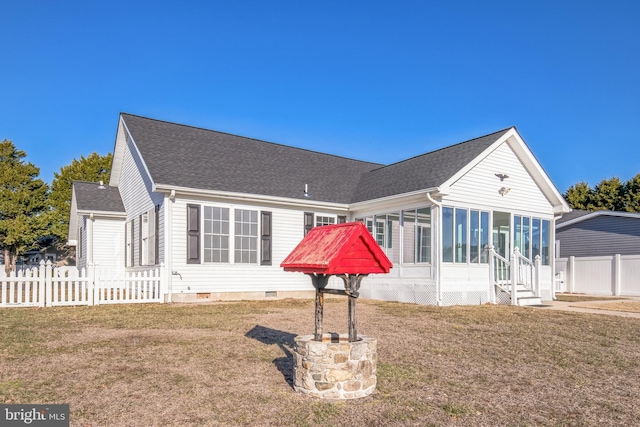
447, 147
252, 139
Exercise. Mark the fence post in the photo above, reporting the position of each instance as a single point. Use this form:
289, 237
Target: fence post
571, 273
617, 274
48, 284
91, 282
492, 279
514, 276
537, 263
42, 284
162, 283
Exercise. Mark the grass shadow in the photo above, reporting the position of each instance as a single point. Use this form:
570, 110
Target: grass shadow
284, 340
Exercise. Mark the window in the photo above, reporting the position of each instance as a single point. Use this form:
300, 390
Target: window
531, 237
143, 241
325, 220
408, 240
416, 235
447, 234
128, 243
246, 236
478, 235
545, 242
465, 233
216, 234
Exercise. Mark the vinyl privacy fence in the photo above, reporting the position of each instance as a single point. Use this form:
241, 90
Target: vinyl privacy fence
46, 286
601, 275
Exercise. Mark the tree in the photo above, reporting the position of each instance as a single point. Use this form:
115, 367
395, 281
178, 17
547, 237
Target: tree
580, 196
23, 204
609, 195
93, 168
632, 194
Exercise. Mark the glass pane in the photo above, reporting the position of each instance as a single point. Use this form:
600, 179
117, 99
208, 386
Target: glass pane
393, 237
447, 234
408, 234
535, 238
545, 242
474, 236
484, 236
526, 238
517, 232
423, 226
461, 235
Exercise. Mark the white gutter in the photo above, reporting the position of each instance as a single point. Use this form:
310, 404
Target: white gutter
255, 198
438, 248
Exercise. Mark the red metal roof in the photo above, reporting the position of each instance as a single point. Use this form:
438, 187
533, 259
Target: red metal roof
338, 249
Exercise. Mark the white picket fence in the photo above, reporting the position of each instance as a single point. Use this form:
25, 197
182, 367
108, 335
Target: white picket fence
46, 286
601, 275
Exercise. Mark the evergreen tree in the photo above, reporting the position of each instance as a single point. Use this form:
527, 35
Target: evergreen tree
609, 195
632, 194
580, 196
23, 204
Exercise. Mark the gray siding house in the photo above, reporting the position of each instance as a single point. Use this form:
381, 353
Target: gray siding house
598, 233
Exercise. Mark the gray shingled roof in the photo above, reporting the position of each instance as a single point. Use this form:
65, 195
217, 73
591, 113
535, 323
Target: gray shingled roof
429, 170
576, 213
89, 197
185, 156
190, 157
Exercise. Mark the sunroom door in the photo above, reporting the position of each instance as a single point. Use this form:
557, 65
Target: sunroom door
502, 233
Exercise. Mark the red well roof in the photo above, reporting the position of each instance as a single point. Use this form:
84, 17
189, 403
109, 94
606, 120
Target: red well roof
338, 249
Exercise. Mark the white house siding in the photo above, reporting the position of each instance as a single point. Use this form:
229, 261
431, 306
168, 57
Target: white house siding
81, 255
108, 247
135, 189
227, 279
480, 186
479, 189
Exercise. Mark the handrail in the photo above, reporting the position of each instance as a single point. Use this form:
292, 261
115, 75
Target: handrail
505, 274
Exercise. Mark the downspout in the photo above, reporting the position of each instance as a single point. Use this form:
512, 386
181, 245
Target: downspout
438, 253
168, 243
90, 240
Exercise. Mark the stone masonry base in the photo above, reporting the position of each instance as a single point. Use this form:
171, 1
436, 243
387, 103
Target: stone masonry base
335, 368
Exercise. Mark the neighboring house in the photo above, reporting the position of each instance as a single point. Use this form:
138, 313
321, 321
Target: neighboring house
598, 233
223, 211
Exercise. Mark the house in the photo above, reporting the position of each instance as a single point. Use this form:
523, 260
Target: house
598, 233
221, 212
598, 253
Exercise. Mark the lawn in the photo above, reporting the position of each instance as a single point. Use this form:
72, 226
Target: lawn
230, 364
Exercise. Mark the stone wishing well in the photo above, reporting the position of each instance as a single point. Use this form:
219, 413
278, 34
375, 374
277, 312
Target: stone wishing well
336, 366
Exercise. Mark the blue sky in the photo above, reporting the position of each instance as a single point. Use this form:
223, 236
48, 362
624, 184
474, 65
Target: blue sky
374, 80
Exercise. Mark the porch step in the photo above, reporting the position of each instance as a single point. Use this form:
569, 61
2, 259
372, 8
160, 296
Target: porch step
526, 301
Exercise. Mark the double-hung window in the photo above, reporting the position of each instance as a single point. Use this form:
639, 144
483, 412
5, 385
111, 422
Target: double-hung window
216, 234
246, 236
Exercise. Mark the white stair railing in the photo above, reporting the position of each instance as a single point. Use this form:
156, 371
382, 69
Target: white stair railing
508, 274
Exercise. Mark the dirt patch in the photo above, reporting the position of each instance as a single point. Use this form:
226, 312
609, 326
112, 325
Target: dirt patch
581, 297
626, 306
231, 364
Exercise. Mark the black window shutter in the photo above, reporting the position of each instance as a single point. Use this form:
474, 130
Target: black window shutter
132, 257
308, 222
140, 240
193, 234
126, 238
265, 238
157, 235
342, 219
